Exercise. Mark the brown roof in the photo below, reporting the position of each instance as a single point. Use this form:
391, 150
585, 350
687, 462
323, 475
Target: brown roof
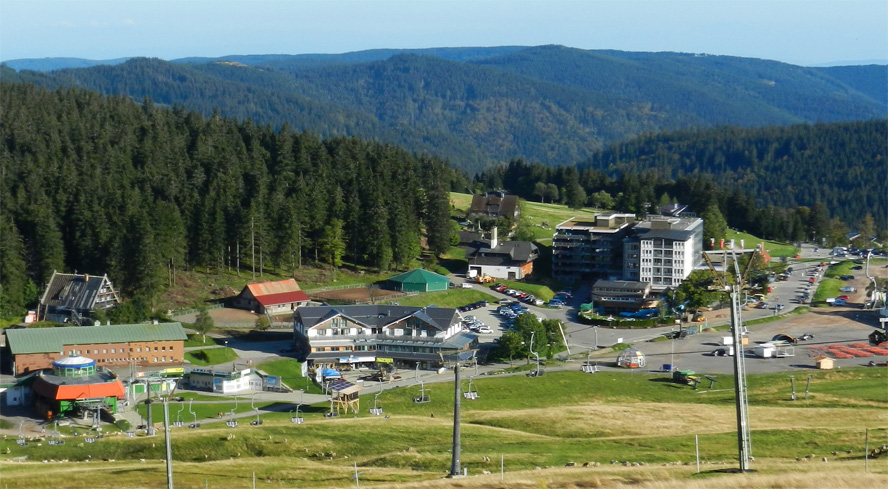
494, 204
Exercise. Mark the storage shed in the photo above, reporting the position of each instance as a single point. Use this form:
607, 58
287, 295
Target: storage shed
419, 280
824, 362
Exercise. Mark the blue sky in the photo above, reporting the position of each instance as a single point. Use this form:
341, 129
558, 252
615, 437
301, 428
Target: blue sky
805, 32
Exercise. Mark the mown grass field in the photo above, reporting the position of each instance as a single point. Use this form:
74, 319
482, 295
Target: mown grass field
211, 356
542, 422
774, 248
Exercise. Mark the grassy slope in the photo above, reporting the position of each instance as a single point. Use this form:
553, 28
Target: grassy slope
773, 248
558, 418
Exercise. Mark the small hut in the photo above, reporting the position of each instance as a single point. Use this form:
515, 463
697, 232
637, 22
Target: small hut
824, 362
631, 358
344, 396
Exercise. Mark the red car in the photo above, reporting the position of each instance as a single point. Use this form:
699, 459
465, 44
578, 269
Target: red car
843, 297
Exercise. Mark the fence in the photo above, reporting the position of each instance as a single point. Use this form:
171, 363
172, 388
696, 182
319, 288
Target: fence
335, 287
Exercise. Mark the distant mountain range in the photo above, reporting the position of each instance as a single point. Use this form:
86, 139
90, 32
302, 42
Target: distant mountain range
476, 106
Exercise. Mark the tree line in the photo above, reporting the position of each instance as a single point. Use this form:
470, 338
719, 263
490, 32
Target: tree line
101, 184
797, 183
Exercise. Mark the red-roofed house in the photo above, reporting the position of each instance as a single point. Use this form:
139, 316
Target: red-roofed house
271, 297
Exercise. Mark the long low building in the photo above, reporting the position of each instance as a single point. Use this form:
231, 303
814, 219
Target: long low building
365, 336
34, 349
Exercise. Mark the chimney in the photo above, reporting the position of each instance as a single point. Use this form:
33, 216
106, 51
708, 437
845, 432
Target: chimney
493, 239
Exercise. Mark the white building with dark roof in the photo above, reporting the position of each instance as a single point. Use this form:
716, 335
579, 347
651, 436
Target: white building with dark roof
508, 260
663, 251
372, 334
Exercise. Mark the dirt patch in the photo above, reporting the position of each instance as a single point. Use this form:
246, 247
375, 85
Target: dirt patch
358, 294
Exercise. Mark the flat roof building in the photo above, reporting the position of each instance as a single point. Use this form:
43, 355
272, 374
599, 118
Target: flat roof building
663, 251
589, 249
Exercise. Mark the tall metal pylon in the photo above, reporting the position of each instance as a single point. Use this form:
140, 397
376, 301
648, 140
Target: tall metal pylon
741, 400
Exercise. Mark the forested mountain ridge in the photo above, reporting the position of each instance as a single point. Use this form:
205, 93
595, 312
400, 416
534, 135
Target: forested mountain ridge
476, 106
842, 165
105, 185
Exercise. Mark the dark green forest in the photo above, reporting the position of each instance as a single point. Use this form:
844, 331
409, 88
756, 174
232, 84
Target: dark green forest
481, 106
105, 185
789, 183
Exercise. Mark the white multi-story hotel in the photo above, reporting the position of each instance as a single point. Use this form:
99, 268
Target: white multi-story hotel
663, 251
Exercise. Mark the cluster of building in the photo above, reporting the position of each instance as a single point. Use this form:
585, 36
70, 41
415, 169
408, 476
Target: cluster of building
629, 262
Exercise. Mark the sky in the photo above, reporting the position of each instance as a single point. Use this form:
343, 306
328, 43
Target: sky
802, 32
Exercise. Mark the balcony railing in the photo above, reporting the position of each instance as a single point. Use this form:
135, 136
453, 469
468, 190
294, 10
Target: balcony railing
377, 337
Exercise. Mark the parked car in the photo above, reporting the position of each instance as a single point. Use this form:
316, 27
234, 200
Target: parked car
483, 329
843, 297
556, 303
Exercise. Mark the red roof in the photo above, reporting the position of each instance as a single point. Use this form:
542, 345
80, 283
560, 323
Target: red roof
80, 391
280, 292
284, 298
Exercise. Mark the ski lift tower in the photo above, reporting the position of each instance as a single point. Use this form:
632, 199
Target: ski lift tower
455, 358
734, 288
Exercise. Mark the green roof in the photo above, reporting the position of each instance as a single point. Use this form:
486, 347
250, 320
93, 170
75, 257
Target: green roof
419, 276
46, 340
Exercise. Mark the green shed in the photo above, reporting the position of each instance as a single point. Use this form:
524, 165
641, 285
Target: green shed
419, 281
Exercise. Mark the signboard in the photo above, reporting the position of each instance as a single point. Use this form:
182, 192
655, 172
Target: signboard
271, 380
384, 360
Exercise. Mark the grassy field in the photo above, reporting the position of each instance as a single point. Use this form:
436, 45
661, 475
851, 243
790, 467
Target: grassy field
446, 298
773, 248
290, 372
544, 422
533, 213
211, 356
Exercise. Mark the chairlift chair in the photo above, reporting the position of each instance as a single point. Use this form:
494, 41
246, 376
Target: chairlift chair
589, 368
376, 410
231, 423
471, 392
332, 413
178, 423
257, 422
297, 418
195, 424
422, 397
56, 436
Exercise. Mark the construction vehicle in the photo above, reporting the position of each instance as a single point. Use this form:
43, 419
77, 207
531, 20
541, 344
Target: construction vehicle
878, 337
485, 279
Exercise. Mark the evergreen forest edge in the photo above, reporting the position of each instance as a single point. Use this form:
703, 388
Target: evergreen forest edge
101, 184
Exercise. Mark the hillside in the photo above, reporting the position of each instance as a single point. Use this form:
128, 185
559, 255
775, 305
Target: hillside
476, 106
141, 192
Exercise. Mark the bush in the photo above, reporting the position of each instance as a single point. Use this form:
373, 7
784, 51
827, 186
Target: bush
123, 425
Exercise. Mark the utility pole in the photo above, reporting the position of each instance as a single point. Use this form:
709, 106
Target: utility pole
741, 400
456, 357
253, 248
169, 448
